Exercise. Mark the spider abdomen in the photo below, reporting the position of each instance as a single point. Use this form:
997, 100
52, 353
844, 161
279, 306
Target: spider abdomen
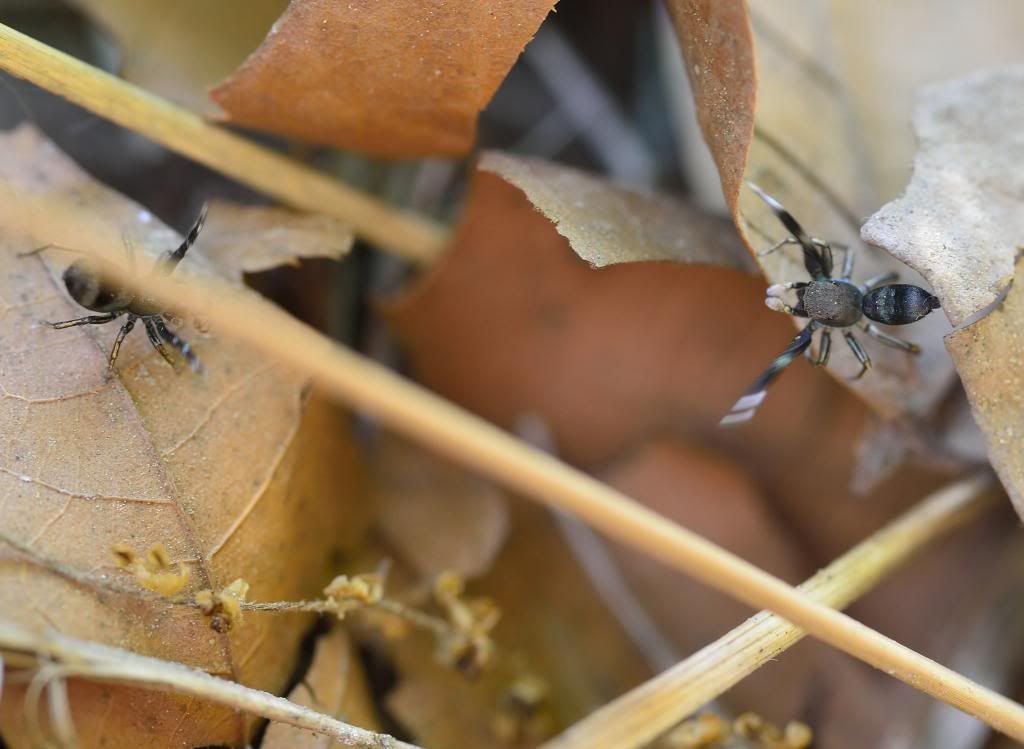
86, 285
898, 304
832, 302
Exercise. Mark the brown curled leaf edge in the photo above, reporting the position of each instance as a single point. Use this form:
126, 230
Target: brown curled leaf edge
400, 79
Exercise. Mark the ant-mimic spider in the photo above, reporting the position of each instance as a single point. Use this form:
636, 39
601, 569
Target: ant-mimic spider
831, 303
87, 286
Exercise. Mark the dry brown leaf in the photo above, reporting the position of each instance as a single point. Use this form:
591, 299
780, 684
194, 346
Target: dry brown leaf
178, 50
556, 640
960, 222
606, 224
989, 355
247, 239
433, 515
716, 39
396, 79
234, 472
334, 685
609, 356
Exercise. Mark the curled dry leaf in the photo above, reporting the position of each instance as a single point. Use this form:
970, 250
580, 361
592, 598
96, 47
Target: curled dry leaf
606, 224
180, 49
540, 671
989, 355
434, 516
248, 239
795, 137
237, 473
334, 685
716, 39
559, 652
396, 79
960, 222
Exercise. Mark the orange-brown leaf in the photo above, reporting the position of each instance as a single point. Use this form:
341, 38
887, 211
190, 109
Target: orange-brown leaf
395, 79
719, 50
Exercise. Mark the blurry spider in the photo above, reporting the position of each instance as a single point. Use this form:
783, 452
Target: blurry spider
831, 303
86, 285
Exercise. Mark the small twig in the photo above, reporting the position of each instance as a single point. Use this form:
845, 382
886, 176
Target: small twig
642, 714
90, 660
433, 624
412, 237
85, 579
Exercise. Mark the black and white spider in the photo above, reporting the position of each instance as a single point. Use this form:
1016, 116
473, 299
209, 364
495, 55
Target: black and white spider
86, 285
831, 304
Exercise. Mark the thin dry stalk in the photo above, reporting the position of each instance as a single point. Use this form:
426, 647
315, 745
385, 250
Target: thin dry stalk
467, 439
78, 658
412, 237
642, 714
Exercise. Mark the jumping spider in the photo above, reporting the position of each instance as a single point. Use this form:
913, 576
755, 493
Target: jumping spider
831, 303
86, 285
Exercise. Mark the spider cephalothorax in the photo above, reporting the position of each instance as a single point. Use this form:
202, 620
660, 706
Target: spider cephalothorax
830, 304
87, 285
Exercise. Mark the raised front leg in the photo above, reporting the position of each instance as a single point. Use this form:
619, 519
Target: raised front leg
744, 409
172, 258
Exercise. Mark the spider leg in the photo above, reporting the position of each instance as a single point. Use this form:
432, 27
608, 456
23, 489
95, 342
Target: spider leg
87, 320
849, 255
824, 348
859, 352
51, 246
817, 262
881, 278
890, 340
777, 245
745, 408
171, 259
116, 348
178, 343
157, 343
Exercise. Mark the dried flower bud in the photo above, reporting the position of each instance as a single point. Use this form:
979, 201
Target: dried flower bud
154, 571
468, 646
223, 608
350, 593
